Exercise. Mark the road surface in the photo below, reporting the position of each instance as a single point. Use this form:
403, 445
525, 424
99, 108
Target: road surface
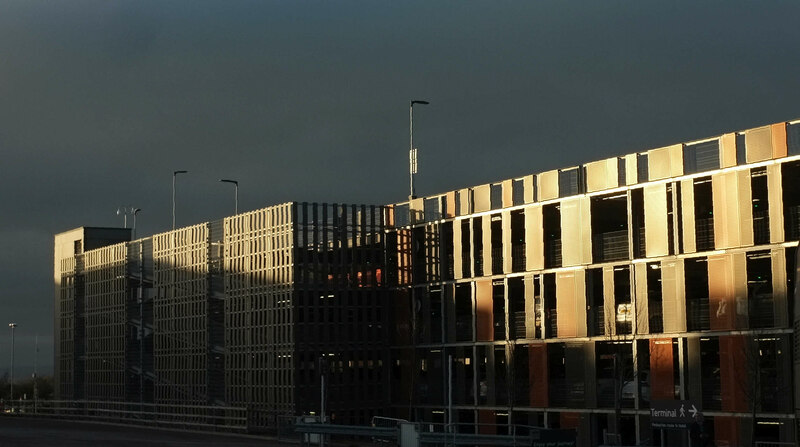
35, 432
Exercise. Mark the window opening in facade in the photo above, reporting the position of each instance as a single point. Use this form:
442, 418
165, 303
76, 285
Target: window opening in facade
551, 217
518, 377
496, 196
710, 383
401, 217
741, 149
518, 241
703, 214
701, 157
550, 313
500, 376
790, 172
760, 197
464, 326
557, 375
420, 248
772, 372
446, 256
621, 172
609, 228
671, 218
655, 298
622, 300
538, 307
642, 171
570, 182
516, 309
759, 289
466, 247
496, 226
518, 191
793, 138
637, 221
791, 260
481, 365
499, 310
436, 315
595, 303
614, 374
477, 245
696, 286
433, 211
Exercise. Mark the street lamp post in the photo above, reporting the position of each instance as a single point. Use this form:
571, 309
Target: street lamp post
412, 153
135, 211
236, 196
12, 326
174, 175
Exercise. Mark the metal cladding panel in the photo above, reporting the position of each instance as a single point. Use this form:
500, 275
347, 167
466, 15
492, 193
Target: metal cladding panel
537, 375
450, 205
733, 212
576, 241
665, 162
548, 185
508, 193
631, 169
727, 147
389, 215
674, 306
779, 147
655, 220
642, 315
775, 198
484, 316
530, 308
457, 250
507, 256
609, 307
733, 359
534, 239
739, 265
662, 377
486, 230
417, 209
779, 291
721, 303
482, 197
529, 188
601, 175
571, 304
465, 199
687, 218
758, 143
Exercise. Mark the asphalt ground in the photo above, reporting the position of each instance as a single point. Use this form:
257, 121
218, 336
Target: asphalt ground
20, 431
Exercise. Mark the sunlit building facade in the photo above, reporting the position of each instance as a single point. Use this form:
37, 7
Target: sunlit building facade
573, 298
236, 312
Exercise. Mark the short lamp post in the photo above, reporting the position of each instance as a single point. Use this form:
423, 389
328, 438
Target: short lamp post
236, 193
174, 175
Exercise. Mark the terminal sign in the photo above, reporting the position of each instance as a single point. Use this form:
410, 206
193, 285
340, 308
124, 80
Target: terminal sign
673, 414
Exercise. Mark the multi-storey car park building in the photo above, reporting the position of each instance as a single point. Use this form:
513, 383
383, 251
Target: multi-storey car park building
570, 298
235, 312
573, 297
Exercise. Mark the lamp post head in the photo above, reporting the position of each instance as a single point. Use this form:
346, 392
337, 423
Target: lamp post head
229, 181
179, 172
136, 210
419, 101
12, 325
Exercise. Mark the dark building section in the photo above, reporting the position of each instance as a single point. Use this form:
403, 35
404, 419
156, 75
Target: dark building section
580, 295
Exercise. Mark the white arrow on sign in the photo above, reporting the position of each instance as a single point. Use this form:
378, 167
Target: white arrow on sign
693, 411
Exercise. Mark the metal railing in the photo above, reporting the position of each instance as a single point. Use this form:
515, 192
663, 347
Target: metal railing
197, 417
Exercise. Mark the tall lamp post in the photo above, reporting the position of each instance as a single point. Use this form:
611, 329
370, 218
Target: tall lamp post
412, 153
236, 196
135, 212
174, 175
12, 326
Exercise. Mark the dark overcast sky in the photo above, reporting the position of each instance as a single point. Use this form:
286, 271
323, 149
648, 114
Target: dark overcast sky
100, 101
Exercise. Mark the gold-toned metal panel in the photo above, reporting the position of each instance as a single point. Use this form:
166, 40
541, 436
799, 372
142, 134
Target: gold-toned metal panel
601, 175
744, 199
779, 292
733, 211
631, 169
482, 197
727, 146
779, 148
457, 250
548, 185
508, 193
642, 320
573, 240
529, 188
586, 230
721, 305
775, 197
674, 306
450, 204
739, 261
506, 215
486, 229
465, 199
534, 239
758, 143
655, 220
530, 308
665, 162
687, 218
417, 208
609, 309
484, 318
567, 304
